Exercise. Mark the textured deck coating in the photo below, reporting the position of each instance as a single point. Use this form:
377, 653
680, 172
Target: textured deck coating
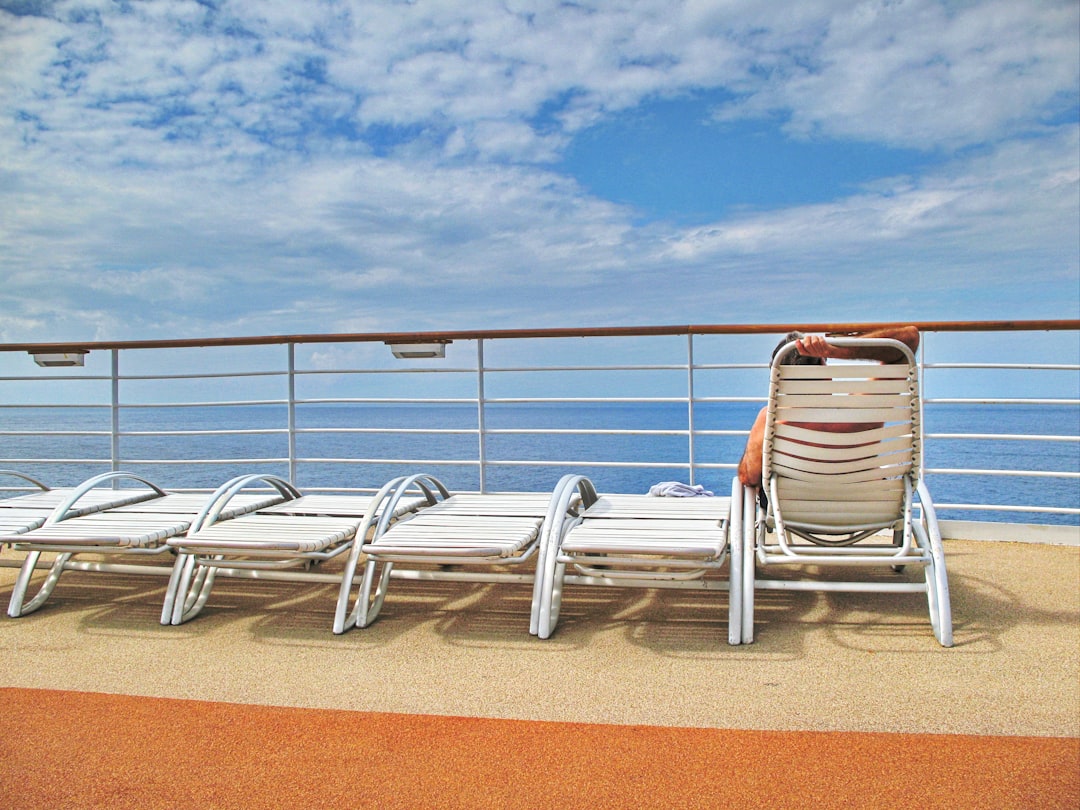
654, 663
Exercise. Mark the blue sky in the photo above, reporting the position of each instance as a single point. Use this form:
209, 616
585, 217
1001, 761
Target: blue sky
246, 167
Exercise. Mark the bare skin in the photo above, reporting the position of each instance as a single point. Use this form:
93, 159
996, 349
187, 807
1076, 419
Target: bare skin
817, 346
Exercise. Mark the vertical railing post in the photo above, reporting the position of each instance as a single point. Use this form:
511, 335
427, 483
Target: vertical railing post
920, 363
481, 421
292, 413
114, 430
690, 402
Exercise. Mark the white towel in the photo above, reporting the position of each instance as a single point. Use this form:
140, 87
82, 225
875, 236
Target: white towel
676, 489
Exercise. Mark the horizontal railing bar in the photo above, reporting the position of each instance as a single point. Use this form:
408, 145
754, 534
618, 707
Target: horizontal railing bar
629, 367
504, 463
55, 405
730, 399
512, 431
645, 464
1003, 437
385, 401
11, 462
613, 367
55, 433
241, 403
202, 375
581, 400
455, 431
221, 432
326, 460
998, 401
991, 507
1006, 366
415, 461
586, 432
553, 333
1011, 473
307, 372
446, 431
499, 369
192, 461
58, 377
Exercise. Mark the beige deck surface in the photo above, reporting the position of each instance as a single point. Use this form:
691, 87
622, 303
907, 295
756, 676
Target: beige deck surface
820, 662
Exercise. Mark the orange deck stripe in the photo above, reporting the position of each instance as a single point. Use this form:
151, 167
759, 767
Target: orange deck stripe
73, 749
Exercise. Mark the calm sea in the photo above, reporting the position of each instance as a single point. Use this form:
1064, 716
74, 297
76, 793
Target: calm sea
344, 459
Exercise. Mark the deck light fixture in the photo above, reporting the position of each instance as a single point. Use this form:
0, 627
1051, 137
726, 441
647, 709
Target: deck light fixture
75, 357
416, 351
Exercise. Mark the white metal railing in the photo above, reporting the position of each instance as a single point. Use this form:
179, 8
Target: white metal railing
703, 371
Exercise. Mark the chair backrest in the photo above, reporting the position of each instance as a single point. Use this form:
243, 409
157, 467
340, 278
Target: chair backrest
842, 444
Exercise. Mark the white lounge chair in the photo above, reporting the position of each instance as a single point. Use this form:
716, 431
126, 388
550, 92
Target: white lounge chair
83, 499
295, 533
16, 516
641, 541
499, 529
86, 520
850, 496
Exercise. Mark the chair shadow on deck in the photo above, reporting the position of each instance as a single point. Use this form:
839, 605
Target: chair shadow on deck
117, 602
985, 609
667, 623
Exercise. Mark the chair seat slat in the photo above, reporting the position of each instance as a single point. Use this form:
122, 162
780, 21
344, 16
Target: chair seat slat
852, 415
841, 371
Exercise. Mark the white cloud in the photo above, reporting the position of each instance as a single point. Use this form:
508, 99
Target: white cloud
927, 74
1018, 197
248, 74
171, 167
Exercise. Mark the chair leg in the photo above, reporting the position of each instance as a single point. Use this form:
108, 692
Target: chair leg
735, 563
343, 619
368, 605
200, 591
749, 561
541, 579
17, 606
549, 574
928, 536
193, 590
944, 629
937, 585
173, 589
547, 587
552, 602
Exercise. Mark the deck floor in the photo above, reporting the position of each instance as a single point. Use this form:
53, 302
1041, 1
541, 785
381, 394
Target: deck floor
820, 662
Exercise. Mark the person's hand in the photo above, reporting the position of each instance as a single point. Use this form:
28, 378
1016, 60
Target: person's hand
813, 346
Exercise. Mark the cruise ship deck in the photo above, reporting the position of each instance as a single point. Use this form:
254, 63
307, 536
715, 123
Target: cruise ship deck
843, 699
636, 700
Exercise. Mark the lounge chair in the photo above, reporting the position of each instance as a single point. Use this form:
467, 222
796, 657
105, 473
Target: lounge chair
641, 541
465, 529
83, 499
851, 496
132, 523
16, 517
296, 533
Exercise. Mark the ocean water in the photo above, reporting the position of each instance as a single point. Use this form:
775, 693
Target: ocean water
349, 460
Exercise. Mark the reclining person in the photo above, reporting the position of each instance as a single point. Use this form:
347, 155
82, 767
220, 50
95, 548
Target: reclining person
811, 350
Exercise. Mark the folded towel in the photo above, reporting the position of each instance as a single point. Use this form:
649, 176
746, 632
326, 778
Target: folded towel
676, 489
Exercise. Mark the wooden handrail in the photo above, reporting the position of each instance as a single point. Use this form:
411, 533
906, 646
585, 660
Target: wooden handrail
564, 332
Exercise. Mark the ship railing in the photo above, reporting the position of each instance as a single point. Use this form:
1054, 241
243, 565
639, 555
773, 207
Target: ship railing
290, 404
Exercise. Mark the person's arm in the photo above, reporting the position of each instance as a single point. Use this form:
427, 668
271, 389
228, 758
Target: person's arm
818, 346
750, 464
